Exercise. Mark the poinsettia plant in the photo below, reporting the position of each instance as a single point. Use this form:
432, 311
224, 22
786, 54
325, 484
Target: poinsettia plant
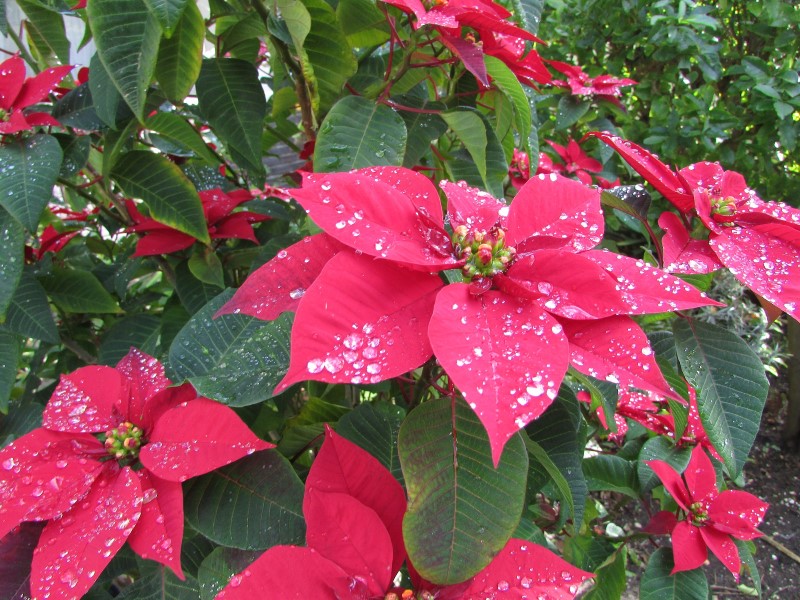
296, 300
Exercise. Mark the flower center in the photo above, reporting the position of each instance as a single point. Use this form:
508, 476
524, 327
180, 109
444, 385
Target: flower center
409, 595
723, 210
3, 115
699, 514
485, 252
124, 441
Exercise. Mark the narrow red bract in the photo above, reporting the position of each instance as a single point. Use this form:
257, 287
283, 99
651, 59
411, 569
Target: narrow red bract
759, 242
710, 518
18, 93
376, 309
86, 485
604, 87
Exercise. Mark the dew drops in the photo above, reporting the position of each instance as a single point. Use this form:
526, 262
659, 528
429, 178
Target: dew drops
315, 365
9, 463
502, 586
297, 293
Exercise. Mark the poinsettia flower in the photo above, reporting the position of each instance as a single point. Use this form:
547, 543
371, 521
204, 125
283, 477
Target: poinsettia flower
647, 409
497, 35
223, 223
98, 491
534, 295
759, 242
574, 162
519, 171
604, 87
354, 510
18, 93
711, 518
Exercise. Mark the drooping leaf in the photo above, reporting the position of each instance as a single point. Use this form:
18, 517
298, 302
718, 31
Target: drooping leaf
454, 491
374, 426
570, 110
78, 291
193, 293
422, 128
140, 331
252, 504
170, 196
177, 130
731, 387
358, 132
508, 83
611, 473
529, 13
181, 54
161, 584
632, 200
12, 244
232, 100
127, 36
10, 350
658, 584
659, 448
28, 170
611, 579
168, 13
362, 22
29, 312
46, 33
308, 425
76, 109
235, 359
75, 149
108, 104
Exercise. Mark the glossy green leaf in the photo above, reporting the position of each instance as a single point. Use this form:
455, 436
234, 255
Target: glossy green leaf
126, 35
109, 105
10, 351
461, 511
529, 13
76, 109
179, 131
329, 54
297, 19
482, 144
611, 473
232, 100
29, 312
749, 563
12, 249
374, 426
659, 448
46, 33
235, 359
422, 127
632, 200
207, 267
507, 82
254, 503
23, 419
731, 387
542, 465
362, 22
357, 133
658, 584
28, 170
140, 331
161, 584
570, 110
218, 568
78, 291
168, 193
169, 13
180, 55
610, 580
308, 425
193, 293
76, 152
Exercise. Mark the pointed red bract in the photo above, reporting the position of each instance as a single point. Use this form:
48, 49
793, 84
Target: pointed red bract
84, 401
508, 357
17, 94
683, 254
361, 321
526, 570
74, 549
689, 550
197, 437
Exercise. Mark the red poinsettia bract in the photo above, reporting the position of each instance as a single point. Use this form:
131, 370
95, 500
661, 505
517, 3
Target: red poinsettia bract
18, 93
710, 518
575, 162
759, 242
223, 223
354, 546
604, 87
498, 36
535, 295
89, 487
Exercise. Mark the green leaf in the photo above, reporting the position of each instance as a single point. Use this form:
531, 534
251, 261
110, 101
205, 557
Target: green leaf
558, 432
169, 13
254, 503
12, 249
610, 578
423, 128
362, 22
76, 109
75, 149
28, 170
161, 584
29, 312
179, 131
207, 267
541, 459
659, 448
507, 82
632, 200
483, 146
374, 426
168, 193
297, 19
193, 293
461, 510
731, 387
10, 354
357, 133
109, 105
235, 359
140, 331
46, 34
604, 394
126, 35
218, 568
328, 53
611, 473
23, 419
309, 424
749, 562
180, 55
232, 100
658, 584
570, 110
78, 291
529, 14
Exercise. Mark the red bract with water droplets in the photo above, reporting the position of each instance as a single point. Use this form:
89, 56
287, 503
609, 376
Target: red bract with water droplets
759, 242
575, 162
354, 510
711, 518
18, 93
534, 296
89, 488
223, 223
605, 87
498, 36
